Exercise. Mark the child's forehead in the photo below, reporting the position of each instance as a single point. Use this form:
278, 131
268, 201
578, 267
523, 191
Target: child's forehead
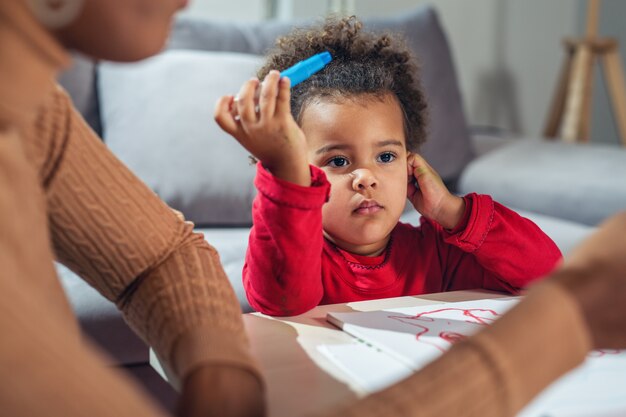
354, 121
340, 106
366, 108
365, 99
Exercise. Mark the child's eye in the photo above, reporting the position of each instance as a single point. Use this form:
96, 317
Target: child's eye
337, 162
386, 157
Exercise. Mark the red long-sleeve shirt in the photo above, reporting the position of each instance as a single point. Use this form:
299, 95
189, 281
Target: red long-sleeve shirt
290, 267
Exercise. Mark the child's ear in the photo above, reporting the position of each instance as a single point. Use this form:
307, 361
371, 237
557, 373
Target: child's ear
409, 166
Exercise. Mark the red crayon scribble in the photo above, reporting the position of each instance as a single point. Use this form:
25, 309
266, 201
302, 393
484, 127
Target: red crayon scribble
450, 337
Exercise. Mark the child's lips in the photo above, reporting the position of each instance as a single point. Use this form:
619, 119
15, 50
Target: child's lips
368, 207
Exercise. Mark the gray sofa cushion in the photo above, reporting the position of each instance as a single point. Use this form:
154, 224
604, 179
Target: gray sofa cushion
231, 244
80, 82
582, 183
243, 37
158, 119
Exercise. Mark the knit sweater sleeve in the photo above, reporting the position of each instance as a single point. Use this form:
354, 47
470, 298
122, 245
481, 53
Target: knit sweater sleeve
113, 231
47, 369
498, 371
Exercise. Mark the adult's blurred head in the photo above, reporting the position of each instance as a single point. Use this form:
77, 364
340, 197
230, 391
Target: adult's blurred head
116, 30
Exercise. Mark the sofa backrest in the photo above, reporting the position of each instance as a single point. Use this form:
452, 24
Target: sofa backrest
157, 115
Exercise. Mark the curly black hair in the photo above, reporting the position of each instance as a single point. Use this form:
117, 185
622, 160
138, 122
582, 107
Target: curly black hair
364, 63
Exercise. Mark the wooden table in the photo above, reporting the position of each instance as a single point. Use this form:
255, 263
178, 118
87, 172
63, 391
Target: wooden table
300, 380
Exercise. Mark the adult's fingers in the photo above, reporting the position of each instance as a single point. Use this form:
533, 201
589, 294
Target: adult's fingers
594, 273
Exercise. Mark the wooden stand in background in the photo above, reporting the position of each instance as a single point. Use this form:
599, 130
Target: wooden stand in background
570, 113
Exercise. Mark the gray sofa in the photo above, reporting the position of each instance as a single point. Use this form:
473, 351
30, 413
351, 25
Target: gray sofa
157, 117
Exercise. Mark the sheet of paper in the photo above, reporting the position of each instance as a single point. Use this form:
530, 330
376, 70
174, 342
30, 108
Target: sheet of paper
415, 336
370, 368
596, 388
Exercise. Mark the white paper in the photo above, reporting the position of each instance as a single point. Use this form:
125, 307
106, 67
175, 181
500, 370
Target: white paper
417, 335
370, 368
414, 336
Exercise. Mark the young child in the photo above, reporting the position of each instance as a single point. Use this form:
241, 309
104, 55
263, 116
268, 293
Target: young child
336, 164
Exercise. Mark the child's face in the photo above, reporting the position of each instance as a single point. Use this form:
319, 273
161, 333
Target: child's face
361, 145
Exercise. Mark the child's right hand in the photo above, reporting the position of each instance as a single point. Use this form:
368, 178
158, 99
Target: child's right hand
268, 131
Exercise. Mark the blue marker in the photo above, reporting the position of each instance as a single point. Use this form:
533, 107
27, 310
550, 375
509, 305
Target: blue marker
296, 74
304, 69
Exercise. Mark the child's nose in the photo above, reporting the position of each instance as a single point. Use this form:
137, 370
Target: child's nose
363, 179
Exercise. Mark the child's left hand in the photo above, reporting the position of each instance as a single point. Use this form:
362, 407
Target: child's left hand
432, 198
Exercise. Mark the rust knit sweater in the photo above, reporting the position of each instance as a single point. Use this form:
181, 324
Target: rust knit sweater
63, 195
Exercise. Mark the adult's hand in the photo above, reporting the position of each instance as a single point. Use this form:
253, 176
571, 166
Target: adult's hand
221, 391
595, 273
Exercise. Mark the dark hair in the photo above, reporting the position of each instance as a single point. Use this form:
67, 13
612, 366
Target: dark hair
364, 63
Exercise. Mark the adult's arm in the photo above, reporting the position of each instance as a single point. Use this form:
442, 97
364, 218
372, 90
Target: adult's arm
113, 231
46, 369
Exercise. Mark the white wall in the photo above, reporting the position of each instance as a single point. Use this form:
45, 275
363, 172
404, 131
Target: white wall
508, 53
